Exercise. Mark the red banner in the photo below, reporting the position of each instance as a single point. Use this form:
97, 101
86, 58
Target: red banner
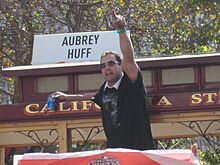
110, 157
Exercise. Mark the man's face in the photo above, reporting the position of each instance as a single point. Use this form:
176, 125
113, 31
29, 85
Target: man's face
110, 68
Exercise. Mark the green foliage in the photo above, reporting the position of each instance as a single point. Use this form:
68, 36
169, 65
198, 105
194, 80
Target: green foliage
81, 146
173, 27
208, 157
157, 27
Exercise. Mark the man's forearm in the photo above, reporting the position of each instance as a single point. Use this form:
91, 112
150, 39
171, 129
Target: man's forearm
126, 47
78, 97
129, 65
125, 42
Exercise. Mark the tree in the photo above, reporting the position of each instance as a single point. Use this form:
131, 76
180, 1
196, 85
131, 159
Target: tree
21, 20
166, 27
158, 27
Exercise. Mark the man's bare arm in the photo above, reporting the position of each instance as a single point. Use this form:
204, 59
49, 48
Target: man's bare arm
129, 65
59, 96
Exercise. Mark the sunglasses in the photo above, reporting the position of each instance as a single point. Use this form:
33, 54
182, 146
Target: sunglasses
109, 63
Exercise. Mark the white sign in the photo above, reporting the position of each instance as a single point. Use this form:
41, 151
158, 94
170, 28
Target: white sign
73, 47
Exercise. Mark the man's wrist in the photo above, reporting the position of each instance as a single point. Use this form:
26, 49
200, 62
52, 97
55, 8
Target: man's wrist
120, 31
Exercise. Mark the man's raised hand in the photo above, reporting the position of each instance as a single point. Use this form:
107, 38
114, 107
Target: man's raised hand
119, 21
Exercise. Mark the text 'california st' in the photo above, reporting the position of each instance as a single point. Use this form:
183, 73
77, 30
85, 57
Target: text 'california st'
196, 99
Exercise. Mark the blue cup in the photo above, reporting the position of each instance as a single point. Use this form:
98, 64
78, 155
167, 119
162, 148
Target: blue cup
51, 104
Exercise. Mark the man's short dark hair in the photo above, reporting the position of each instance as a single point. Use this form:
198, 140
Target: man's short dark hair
117, 56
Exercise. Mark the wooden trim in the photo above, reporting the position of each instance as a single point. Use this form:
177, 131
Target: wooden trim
178, 117
26, 126
76, 85
2, 156
157, 121
154, 118
71, 83
88, 67
96, 122
62, 137
200, 77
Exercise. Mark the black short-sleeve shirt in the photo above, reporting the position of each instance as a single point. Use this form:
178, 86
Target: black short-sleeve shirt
128, 126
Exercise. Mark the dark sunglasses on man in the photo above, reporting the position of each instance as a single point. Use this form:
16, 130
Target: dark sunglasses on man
109, 63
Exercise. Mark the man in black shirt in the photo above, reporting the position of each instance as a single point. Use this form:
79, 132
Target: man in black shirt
122, 97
